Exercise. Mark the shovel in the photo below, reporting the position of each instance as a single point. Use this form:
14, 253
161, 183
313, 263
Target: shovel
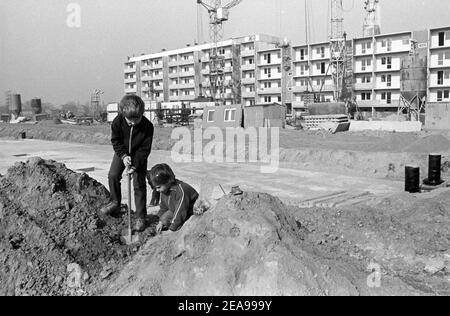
128, 238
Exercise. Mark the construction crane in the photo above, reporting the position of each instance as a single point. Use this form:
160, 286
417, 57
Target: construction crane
218, 14
372, 24
95, 102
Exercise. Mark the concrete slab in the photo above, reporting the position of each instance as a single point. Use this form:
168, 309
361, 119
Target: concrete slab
387, 126
291, 185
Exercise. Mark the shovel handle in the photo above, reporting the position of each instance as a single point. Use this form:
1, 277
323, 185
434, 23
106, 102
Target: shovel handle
129, 204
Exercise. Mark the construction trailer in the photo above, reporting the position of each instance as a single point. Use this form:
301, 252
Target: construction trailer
223, 116
260, 115
265, 115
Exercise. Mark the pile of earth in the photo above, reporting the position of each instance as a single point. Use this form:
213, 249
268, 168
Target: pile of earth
52, 240
407, 236
248, 245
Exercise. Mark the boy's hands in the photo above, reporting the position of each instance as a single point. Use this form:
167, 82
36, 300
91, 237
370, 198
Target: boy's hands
127, 161
159, 228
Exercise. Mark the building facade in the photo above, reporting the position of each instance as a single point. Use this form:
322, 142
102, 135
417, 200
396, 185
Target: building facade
264, 69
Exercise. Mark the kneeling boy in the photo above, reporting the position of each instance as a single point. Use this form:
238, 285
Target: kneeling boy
177, 198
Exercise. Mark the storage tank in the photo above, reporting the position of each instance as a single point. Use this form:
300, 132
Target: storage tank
16, 104
36, 106
413, 77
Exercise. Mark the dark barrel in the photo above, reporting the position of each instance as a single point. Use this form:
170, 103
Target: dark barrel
16, 104
434, 170
36, 106
412, 179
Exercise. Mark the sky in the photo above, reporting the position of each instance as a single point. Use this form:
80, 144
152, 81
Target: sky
42, 56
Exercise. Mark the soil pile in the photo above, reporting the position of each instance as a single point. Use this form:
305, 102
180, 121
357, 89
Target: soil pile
408, 236
52, 242
247, 245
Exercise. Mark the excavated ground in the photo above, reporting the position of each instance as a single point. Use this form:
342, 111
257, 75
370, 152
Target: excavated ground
52, 241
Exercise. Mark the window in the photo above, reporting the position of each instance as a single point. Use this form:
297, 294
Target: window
439, 96
279, 69
222, 51
267, 85
211, 115
157, 84
441, 59
388, 97
366, 79
383, 43
383, 78
366, 96
156, 73
251, 61
156, 62
389, 80
158, 94
267, 99
279, 99
447, 74
441, 38
447, 35
322, 68
302, 54
279, 55
268, 72
267, 58
440, 78
406, 41
230, 115
322, 52
446, 94
389, 62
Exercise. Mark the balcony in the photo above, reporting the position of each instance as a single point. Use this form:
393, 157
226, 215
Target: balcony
269, 91
158, 88
247, 95
364, 86
130, 80
298, 105
384, 86
145, 89
187, 97
247, 52
183, 62
157, 66
146, 78
186, 86
187, 73
174, 98
174, 86
272, 77
145, 67
173, 63
130, 90
299, 89
228, 69
205, 71
158, 77
247, 67
372, 103
173, 75
325, 88
205, 59
248, 80
228, 95
130, 70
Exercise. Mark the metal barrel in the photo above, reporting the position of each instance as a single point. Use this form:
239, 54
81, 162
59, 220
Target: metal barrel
36, 106
16, 104
412, 179
434, 169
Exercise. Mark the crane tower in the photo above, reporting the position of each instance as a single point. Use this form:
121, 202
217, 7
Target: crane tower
372, 25
338, 44
218, 14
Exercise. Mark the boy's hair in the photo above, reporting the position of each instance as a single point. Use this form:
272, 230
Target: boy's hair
132, 107
162, 174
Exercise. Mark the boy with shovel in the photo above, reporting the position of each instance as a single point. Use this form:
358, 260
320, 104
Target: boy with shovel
132, 137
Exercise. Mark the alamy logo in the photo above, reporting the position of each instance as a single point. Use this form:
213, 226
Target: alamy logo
74, 17
210, 145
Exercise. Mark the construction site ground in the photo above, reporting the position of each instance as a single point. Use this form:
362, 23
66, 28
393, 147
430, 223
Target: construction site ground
342, 214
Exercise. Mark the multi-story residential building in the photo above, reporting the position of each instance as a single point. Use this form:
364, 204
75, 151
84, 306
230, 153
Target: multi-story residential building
264, 69
439, 65
377, 68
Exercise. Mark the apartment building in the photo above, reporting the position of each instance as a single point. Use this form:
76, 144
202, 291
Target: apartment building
439, 65
377, 63
184, 75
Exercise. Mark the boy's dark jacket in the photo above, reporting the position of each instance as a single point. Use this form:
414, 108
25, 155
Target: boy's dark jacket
180, 201
141, 140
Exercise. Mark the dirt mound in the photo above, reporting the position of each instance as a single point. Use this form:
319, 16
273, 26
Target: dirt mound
52, 242
247, 245
407, 235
